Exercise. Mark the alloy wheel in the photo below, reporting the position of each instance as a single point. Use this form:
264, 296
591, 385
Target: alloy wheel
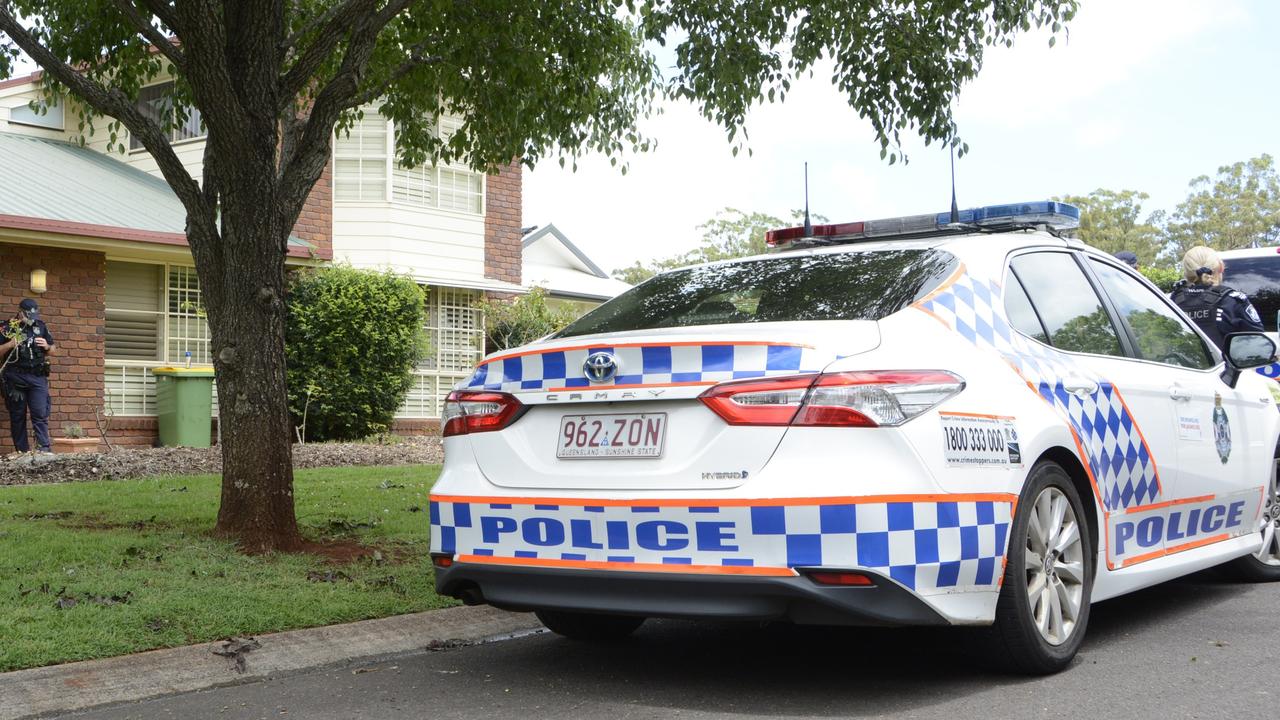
1269, 553
1055, 567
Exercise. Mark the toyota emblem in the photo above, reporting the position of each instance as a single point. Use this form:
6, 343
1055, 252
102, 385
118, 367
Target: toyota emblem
600, 367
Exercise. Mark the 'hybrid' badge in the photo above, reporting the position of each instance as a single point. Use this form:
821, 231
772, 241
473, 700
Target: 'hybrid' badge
600, 367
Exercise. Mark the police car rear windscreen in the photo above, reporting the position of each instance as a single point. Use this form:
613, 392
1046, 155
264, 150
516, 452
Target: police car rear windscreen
858, 285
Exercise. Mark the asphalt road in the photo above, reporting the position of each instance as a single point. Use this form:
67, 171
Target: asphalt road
1195, 648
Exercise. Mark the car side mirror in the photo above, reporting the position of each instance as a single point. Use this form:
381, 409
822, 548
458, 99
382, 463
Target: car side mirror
1246, 350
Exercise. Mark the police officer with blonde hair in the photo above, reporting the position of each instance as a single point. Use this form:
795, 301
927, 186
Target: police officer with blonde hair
1216, 308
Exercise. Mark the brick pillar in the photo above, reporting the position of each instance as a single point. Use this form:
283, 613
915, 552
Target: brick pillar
315, 224
502, 224
74, 309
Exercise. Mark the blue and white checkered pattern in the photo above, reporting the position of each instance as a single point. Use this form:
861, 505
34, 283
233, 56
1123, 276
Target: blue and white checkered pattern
647, 365
928, 546
1118, 457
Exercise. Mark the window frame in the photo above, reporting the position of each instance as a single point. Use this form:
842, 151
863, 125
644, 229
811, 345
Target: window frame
1135, 354
431, 170
175, 142
1127, 346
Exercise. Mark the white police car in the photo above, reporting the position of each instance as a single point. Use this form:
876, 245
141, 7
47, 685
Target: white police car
893, 422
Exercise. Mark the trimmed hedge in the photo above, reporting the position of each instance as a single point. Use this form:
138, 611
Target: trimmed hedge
351, 339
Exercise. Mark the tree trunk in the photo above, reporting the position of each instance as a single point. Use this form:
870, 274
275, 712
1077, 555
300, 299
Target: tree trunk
245, 304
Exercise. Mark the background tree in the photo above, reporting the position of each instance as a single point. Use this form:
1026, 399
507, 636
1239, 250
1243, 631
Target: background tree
272, 79
352, 338
1112, 221
1240, 208
732, 233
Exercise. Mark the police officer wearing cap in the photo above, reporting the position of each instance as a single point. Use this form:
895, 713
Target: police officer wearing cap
24, 354
1216, 308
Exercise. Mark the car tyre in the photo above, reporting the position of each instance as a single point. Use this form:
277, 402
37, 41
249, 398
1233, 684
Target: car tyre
1043, 609
589, 627
1263, 566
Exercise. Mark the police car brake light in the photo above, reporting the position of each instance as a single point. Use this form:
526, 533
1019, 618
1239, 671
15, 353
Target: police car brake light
1056, 215
771, 401
876, 398
467, 411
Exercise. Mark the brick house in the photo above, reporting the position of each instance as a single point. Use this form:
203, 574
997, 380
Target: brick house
122, 295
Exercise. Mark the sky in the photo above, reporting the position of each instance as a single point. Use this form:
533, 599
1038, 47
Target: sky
1143, 95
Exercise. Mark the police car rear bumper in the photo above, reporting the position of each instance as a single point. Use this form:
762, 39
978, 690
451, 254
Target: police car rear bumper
797, 599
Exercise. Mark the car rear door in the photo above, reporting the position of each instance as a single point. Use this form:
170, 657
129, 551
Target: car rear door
1120, 408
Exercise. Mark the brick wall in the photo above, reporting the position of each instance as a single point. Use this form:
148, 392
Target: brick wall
502, 224
415, 426
315, 224
73, 307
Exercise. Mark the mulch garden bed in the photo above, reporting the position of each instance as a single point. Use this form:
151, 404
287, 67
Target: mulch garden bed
121, 463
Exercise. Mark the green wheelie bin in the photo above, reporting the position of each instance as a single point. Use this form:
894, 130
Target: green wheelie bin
184, 405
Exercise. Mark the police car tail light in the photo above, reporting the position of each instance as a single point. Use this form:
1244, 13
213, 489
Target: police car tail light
875, 398
772, 401
468, 411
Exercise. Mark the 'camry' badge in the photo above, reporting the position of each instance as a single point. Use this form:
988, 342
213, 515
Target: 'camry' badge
600, 367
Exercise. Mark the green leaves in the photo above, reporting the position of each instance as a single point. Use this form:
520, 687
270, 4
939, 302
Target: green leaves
732, 233
525, 319
351, 339
1239, 208
1112, 221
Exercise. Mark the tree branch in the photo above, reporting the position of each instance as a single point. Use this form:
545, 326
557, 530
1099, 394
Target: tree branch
325, 17
340, 21
165, 12
207, 72
112, 102
373, 93
149, 31
315, 141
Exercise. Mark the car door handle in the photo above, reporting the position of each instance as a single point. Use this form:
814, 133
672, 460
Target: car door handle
1079, 386
1179, 393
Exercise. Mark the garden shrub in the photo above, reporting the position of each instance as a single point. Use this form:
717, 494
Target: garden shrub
1162, 277
352, 338
516, 322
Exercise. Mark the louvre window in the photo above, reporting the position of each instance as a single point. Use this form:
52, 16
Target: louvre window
365, 170
154, 317
360, 161
455, 329
156, 102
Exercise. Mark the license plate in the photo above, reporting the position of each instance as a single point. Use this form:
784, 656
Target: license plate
632, 435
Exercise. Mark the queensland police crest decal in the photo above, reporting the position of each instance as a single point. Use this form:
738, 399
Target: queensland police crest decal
1221, 429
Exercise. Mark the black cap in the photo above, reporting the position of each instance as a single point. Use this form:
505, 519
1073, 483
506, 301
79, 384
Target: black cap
1128, 258
28, 305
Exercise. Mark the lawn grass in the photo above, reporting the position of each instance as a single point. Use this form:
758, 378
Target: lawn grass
146, 544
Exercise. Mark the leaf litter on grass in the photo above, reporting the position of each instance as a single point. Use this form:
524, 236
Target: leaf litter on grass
369, 565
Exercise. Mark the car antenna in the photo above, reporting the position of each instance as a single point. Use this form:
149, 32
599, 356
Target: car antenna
955, 211
808, 226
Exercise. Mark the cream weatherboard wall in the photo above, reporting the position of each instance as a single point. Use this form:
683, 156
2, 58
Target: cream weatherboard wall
427, 221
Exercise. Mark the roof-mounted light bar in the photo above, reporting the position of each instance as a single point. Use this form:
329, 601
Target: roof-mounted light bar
1057, 215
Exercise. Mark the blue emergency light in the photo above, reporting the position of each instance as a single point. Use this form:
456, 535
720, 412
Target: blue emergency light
1055, 215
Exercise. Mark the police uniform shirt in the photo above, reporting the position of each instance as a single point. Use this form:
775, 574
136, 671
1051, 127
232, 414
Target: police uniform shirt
30, 357
1217, 310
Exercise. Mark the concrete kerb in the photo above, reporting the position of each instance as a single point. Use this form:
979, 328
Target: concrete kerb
94, 683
